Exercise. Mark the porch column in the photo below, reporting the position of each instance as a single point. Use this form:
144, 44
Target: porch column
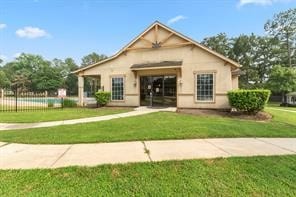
80, 91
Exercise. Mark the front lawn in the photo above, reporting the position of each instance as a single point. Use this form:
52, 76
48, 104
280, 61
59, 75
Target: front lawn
253, 176
57, 114
277, 105
282, 116
156, 126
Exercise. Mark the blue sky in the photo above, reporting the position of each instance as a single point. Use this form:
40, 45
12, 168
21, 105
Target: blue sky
60, 29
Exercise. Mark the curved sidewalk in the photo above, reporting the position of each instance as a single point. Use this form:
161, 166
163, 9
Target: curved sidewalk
138, 111
26, 156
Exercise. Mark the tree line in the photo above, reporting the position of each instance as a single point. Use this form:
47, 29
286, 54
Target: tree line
267, 61
33, 73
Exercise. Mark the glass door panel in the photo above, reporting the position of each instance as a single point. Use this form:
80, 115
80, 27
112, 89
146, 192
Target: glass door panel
170, 91
163, 89
157, 90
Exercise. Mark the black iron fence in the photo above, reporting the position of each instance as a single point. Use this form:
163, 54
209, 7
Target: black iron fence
15, 99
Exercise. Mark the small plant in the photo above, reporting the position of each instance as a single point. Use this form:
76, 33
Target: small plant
50, 103
69, 103
102, 97
250, 101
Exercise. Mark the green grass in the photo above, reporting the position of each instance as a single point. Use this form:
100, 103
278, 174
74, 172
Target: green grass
283, 116
253, 176
284, 108
57, 114
277, 105
156, 126
273, 104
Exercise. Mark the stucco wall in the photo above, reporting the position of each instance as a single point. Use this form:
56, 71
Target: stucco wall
194, 60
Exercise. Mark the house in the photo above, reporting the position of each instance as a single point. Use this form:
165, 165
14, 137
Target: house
162, 67
291, 98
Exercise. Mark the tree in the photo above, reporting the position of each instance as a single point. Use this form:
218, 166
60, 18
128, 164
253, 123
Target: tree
21, 82
282, 80
47, 78
256, 54
243, 51
283, 27
92, 58
219, 43
266, 55
71, 81
33, 73
4, 81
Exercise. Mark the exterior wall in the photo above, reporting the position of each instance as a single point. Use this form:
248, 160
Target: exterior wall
291, 100
235, 82
194, 60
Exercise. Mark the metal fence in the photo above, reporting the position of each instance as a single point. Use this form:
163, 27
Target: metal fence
15, 99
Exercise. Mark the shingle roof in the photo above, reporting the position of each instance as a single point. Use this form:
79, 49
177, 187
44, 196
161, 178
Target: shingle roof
157, 64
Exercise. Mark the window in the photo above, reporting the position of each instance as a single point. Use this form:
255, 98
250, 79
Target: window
205, 87
117, 89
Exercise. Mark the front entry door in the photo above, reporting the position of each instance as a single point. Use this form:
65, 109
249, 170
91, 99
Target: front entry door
158, 90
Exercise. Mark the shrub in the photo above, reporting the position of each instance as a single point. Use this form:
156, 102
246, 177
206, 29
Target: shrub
251, 101
103, 97
69, 103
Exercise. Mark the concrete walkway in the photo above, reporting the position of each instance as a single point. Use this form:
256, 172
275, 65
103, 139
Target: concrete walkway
26, 156
138, 111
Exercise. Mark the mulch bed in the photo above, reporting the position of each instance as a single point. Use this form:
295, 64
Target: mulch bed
260, 116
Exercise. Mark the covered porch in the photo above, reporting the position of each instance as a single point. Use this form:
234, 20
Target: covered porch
291, 98
158, 82
88, 85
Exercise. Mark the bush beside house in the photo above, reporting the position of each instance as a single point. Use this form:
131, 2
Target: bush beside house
250, 101
102, 97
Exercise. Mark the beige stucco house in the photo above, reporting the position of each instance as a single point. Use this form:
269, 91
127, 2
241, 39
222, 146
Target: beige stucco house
162, 67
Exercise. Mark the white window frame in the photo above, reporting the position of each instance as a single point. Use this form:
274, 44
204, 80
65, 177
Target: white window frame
214, 86
111, 85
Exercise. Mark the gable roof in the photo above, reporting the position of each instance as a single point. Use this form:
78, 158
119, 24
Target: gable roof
226, 59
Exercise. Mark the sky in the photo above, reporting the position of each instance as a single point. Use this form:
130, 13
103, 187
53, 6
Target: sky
75, 28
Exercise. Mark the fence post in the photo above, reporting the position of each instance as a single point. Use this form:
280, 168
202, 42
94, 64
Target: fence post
2, 98
16, 90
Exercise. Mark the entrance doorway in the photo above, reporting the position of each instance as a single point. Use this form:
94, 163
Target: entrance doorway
158, 91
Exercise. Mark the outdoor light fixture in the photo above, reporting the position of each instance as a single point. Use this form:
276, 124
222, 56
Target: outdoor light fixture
180, 82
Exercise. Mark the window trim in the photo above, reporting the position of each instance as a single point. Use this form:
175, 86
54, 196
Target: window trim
213, 72
117, 76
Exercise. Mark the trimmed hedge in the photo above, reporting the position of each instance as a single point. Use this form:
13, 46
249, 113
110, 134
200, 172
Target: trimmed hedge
103, 97
251, 101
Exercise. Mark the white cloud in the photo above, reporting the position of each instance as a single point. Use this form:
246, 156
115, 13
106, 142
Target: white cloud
3, 57
16, 55
242, 3
31, 32
176, 19
3, 25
